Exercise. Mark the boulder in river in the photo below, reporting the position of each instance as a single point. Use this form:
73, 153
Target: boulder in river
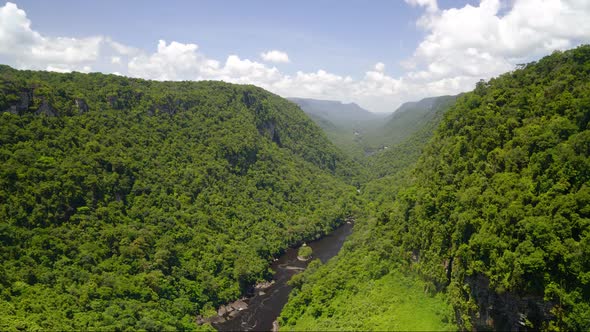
264, 285
222, 311
239, 305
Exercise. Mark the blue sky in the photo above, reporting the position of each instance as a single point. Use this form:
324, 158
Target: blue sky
376, 53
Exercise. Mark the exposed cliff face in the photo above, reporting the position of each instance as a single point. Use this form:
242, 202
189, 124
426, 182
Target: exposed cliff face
22, 104
27, 101
81, 105
45, 108
269, 129
507, 311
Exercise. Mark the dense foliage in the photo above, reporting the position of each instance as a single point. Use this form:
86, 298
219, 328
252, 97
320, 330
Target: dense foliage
344, 124
136, 204
407, 119
410, 128
496, 214
305, 252
364, 288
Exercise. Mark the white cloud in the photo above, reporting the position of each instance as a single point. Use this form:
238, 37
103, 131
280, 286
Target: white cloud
430, 5
58, 69
466, 44
120, 48
27, 48
174, 61
275, 56
24, 47
461, 46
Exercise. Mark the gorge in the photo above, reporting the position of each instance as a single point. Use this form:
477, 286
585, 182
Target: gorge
137, 204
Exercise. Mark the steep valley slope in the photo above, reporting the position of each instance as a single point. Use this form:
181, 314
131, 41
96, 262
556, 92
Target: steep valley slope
133, 204
494, 218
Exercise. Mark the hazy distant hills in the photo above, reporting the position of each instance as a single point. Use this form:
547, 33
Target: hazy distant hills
360, 132
409, 118
338, 113
494, 215
344, 124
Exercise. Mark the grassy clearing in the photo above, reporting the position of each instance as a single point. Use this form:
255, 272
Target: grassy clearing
394, 302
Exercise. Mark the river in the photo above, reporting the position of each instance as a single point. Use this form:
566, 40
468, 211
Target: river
266, 305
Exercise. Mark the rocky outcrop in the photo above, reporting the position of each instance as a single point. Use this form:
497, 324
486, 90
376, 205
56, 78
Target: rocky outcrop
27, 100
239, 305
23, 104
507, 311
225, 312
264, 285
269, 129
45, 109
81, 105
267, 125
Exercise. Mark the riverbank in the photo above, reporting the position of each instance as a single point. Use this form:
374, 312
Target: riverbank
265, 305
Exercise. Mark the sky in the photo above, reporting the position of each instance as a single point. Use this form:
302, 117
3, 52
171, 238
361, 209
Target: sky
377, 53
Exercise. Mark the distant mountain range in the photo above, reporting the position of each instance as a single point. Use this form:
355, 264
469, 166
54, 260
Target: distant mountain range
407, 120
338, 113
360, 132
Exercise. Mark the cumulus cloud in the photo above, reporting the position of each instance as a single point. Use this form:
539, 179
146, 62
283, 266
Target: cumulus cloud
431, 5
466, 44
24, 47
173, 61
121, 48
275, 56
461, 46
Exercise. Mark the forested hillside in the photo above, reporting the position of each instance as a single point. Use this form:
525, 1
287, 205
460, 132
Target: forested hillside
408, 131
495, 217
402, 123
339, 113
397, 137
133, 204
345, 124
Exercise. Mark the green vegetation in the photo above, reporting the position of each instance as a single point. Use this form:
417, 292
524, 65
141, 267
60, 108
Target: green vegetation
344, 124
407, 132
304, 252
391, 142
364, 288
406, 121
495, 215
132, 204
